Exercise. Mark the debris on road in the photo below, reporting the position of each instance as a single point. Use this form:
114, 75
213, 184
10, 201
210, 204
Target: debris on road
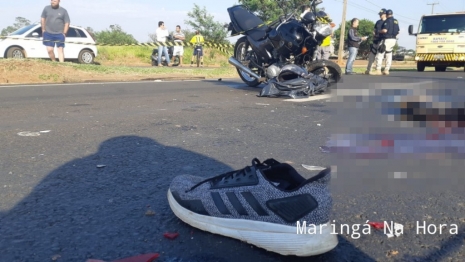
28, 133
324, 149
56, 257
171, 235
376, 225
392, 253
313, 168
101, 166
398, 229
140, 258
150, 213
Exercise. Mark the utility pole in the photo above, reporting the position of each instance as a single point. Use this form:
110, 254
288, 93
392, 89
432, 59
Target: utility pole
342, 36
432, 7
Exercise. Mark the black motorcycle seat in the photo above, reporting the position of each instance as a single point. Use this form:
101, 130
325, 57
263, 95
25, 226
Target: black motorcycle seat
244, 20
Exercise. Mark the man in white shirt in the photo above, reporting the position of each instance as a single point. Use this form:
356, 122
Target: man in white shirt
162, 33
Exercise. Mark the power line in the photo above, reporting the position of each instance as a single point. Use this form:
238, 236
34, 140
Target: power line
373, 11
396, 13
368, 10
432, 6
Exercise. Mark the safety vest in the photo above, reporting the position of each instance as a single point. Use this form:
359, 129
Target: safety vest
326, 41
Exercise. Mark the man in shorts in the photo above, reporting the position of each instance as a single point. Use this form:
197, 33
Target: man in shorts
55, 24
197, 39
178, 38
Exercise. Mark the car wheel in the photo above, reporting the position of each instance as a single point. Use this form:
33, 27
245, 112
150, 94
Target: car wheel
15, 52
86, 57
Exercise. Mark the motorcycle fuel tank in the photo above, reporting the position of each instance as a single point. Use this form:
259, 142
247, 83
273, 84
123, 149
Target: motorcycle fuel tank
288, 38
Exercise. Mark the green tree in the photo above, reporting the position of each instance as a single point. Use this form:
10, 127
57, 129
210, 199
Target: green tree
365, 28
211, 30
114, 36
19, 23
269, 10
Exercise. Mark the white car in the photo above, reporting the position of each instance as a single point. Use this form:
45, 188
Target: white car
29, 44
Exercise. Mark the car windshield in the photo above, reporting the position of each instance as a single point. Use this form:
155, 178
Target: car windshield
22, 30
443, 24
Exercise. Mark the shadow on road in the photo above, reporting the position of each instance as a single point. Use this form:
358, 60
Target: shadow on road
442, 251
81, 211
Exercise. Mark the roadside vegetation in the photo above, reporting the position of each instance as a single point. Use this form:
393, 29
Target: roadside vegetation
22, 71
141, 56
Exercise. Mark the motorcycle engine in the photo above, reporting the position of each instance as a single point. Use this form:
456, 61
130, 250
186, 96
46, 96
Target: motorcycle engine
273, 71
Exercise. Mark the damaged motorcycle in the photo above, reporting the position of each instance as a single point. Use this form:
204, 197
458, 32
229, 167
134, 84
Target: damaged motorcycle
282, 54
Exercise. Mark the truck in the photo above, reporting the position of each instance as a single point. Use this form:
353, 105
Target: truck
440, 41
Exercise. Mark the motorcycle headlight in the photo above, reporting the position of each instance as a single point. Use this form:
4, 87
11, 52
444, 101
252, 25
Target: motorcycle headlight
323, 29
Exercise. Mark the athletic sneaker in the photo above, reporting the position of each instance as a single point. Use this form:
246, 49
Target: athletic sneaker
269, 205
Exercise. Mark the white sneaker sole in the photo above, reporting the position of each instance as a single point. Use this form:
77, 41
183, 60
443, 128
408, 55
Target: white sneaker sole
281, 239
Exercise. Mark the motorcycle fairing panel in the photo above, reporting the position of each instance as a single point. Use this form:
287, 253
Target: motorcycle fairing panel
295, 82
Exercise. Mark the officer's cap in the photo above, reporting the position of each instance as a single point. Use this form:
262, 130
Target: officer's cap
389, 12
382, 11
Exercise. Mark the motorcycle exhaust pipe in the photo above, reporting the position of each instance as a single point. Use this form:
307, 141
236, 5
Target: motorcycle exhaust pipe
233, 61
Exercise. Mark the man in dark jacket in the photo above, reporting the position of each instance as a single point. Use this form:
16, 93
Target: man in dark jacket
376, 40
389, 33
353, 43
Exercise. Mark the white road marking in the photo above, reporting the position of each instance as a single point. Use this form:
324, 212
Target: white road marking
312, 98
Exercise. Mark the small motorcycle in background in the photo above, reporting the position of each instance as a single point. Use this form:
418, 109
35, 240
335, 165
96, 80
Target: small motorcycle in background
174, 59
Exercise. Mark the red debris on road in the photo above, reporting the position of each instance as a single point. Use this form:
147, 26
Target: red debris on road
171, 235
377, 225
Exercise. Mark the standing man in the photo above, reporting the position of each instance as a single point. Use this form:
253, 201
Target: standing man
197, 39
353, 43
376, 40
324, 50
162, 34
55, 24
389, 32
178, 38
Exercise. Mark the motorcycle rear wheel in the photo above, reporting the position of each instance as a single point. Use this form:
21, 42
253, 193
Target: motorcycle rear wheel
241, 44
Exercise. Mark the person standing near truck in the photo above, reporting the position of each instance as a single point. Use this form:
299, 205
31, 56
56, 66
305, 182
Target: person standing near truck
389, 33
376, 40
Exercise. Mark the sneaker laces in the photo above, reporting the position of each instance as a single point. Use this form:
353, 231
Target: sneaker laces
230, 175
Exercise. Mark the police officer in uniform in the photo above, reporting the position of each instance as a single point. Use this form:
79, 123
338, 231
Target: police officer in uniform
389, 32
376, 40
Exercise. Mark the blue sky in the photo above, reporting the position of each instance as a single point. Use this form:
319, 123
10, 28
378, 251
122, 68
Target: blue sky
140, 17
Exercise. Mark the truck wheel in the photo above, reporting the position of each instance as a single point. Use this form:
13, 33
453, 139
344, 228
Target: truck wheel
420, 67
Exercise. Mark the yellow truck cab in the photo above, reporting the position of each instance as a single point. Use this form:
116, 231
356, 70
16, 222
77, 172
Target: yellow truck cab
440, 41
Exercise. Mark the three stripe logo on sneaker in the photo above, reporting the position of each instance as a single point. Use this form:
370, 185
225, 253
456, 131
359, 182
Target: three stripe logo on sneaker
236, 203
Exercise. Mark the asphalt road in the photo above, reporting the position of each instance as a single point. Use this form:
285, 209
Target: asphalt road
56, 203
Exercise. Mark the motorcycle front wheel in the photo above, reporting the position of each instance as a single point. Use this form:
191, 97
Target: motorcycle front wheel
328, 70
240, 53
